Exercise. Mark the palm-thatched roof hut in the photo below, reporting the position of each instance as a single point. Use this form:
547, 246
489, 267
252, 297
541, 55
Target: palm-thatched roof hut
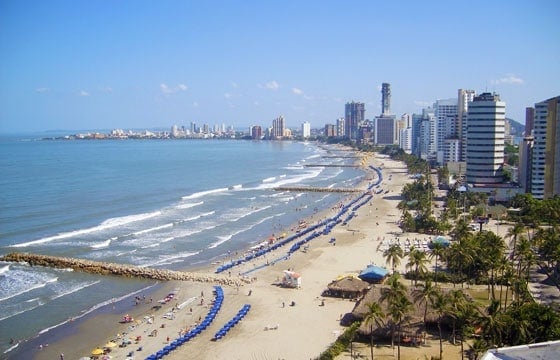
348, 287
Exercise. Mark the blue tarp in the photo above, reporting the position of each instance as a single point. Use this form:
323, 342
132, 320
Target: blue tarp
373, 273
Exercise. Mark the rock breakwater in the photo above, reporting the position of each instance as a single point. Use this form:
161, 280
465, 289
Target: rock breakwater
105, 268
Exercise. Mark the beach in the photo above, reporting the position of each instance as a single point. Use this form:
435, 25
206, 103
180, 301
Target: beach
283, 323
301, 331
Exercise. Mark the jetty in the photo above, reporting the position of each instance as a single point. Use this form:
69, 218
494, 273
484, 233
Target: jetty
106, 268
317, 189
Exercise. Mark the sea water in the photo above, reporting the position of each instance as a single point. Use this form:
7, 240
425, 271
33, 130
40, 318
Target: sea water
174, 204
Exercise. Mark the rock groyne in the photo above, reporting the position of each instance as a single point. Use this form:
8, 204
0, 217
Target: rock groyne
105, 268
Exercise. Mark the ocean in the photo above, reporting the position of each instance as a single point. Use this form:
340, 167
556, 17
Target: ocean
177, 204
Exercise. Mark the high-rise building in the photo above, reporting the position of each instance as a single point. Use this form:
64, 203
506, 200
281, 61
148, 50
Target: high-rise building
545, 172
330, 130
485, 139
340, 122
445, 112
385, 99
464, 97
354, 113
278, 127
384, 132
306, 129
256, 132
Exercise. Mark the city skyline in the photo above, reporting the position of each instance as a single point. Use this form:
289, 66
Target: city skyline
99, 65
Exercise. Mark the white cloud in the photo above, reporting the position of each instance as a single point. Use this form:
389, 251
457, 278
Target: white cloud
422, 103
509, 79
234, 85
271, 85
297, 91
106, 89
227, 95
195, 104
42, 90
83, 93
171, 90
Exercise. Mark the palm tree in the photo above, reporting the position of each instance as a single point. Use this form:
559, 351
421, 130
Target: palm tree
392, 295
375, 316
398, 309
440, 307
437, 251
425, 294
417, 260
494, 324
393, 256
514, 232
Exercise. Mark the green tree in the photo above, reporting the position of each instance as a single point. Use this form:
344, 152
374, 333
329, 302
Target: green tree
393, 256
375, 316
417, 260
425, 294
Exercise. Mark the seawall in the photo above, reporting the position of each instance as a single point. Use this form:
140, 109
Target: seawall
105, 268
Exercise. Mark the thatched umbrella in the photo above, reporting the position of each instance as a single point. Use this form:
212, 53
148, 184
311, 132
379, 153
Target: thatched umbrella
347, 287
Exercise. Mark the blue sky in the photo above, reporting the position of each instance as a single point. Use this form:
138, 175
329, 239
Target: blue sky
75, 65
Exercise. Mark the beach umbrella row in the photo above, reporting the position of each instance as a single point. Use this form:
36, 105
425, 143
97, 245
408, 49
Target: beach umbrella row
218, 300
234, 321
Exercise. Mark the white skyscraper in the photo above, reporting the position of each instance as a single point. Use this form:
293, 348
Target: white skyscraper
485, 139
306, 129
445, 112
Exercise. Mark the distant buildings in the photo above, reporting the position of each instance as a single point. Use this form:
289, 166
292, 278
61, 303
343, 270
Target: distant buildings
485, 139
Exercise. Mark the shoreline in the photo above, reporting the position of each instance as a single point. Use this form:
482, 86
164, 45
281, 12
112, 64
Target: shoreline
89, 327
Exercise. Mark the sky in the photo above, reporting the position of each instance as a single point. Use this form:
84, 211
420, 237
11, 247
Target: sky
85, 65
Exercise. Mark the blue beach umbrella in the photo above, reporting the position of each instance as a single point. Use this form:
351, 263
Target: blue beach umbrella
373, 273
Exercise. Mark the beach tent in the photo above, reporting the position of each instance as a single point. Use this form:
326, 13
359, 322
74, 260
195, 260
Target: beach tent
291, 279
441, 240
373, 274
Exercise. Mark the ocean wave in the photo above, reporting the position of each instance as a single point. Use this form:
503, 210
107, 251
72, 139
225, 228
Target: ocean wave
107, 224
236, 187
75, 289
269, 179
222, 239
291, 180
204, 193
4, 269
244, 213
189, 205
101, 245
171, 259
140, 232
196, 217
158, 243
28, 289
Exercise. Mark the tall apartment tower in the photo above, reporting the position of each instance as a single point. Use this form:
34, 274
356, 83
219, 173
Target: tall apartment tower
354, 113
306, 129
485, 139
445, 112
278, 127
545, 172
385, 99
464, 97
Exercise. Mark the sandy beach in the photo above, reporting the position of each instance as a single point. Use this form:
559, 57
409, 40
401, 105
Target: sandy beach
273, 328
